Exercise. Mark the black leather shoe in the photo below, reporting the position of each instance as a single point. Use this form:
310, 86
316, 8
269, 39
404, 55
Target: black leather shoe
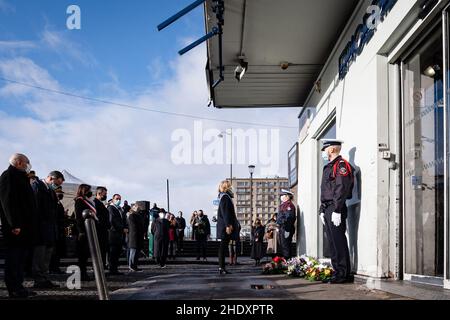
338, 280
223, 271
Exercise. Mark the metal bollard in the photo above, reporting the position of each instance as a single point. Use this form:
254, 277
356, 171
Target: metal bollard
97, 262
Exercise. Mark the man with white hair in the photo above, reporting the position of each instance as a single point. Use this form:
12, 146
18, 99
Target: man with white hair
336, 187
17, 213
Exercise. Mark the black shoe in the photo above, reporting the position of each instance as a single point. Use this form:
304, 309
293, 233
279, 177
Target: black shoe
338, 280
46, 284
22, 294
350, 279
224, 271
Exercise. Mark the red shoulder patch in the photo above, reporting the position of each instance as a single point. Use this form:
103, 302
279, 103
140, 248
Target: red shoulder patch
343, 170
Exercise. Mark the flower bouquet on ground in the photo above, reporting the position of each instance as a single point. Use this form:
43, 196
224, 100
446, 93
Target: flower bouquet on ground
276, 266
319, 272
309, 268
297, 267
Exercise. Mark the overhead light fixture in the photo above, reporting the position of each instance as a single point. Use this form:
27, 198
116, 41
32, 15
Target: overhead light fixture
240, 70
431, 71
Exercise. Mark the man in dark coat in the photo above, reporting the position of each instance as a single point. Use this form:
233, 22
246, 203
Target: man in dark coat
136, 231
155, 211
102, 224
60, 248
160, 230
47, 209
18, 216
126, 207
202, 232
117, 219
286, 218
181, 226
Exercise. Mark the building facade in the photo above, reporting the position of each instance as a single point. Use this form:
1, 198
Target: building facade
263, 194
383, 92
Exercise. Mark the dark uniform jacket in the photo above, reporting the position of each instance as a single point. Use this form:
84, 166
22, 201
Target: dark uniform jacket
17, 208
286, 216
118, 223
226, 216
47, 213
337, 185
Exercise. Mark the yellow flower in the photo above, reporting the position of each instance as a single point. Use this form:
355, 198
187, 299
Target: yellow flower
327, 272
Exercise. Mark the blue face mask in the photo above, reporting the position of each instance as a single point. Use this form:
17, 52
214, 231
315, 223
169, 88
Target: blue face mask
117, 202
54, 186
325, 156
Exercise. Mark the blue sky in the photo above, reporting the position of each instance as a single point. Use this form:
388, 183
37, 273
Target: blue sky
118, 55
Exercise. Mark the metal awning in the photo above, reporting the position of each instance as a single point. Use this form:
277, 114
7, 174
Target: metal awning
299, 34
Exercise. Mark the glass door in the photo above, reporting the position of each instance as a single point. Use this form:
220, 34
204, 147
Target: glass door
423, 143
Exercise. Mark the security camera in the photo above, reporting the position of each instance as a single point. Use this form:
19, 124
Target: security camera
240, 70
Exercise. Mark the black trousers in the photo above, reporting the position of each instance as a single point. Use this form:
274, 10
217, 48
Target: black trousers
180, 240
14, 268
114, 254
172, 248
83, 254
340, 258
284, 243
223, 247
201, 247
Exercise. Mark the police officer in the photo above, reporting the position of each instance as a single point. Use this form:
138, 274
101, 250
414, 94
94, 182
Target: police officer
286, 220
336, 187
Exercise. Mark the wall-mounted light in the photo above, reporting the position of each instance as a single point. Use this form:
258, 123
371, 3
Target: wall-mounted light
431, 71
240, 70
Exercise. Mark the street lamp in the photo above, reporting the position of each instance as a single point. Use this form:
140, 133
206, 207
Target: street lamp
221, 135
251, 169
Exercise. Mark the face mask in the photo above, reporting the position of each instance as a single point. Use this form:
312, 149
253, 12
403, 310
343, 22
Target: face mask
89, 194
117, 202
103, 198
28, 168
54, 186
161, 215
325, 156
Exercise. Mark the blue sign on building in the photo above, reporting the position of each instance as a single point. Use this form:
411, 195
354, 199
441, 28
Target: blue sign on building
375, 14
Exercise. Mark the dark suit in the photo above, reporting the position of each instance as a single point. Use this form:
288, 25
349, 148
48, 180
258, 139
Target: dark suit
117, 219
102, 226
17, 210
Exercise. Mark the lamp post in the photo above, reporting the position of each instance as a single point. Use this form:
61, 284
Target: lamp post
251, 170
221, 135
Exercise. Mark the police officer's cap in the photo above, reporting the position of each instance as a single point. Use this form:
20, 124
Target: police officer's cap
286, 192
331, 142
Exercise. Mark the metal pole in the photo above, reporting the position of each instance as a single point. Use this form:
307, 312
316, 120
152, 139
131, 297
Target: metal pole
97, 262
168, 197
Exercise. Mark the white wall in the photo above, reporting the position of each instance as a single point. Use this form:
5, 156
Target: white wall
361, 104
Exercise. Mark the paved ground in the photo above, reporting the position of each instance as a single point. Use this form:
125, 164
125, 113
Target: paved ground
189, 279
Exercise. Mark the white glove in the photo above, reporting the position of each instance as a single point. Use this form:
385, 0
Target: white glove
322, 217
286, 234
336, 218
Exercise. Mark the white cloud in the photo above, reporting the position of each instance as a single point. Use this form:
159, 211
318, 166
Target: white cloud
126, 150
60, 43
13, 46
